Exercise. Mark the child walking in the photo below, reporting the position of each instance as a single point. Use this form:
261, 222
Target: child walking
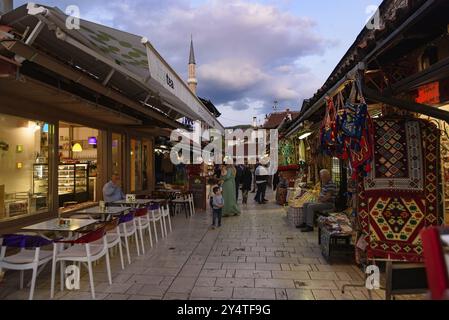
217, 207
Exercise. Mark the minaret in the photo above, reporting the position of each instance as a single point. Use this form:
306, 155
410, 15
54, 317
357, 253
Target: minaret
192, 81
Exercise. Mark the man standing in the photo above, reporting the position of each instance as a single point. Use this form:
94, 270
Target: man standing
326, 201
112, 190
261, 183
247, 180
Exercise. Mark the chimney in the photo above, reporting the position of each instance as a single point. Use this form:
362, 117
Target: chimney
6, 6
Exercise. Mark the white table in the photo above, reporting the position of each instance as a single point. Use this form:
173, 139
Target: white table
109, 211
53, 225
134, 204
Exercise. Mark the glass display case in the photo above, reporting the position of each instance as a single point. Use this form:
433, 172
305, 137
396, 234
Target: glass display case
40, 179
73, 183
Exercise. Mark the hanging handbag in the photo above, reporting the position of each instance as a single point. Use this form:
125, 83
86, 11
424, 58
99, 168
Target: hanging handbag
328, 128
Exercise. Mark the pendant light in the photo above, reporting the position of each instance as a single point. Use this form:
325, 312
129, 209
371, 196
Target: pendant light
77, 147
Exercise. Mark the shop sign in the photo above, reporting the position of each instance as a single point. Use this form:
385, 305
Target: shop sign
429, 94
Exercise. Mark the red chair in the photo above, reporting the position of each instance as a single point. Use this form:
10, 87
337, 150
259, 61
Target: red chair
437, 272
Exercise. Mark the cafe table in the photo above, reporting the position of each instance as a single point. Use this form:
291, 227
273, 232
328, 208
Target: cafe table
133, 204
105, 214
53, 225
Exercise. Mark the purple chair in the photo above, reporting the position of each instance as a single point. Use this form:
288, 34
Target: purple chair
29, 257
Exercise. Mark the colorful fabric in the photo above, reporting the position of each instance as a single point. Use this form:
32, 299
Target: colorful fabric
398, 157
328, 132
400, 196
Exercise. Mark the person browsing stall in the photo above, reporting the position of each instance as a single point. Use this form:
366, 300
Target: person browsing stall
112, 190
326, 201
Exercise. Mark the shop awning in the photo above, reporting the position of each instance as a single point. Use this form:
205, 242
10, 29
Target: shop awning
119, 60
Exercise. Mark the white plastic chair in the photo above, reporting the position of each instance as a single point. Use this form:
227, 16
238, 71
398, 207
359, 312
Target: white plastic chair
155, 215
84, 250
143, 224
127, 229
113, 239
30, 256
166, 216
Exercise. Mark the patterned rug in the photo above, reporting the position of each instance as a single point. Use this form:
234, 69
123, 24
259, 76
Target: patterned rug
400, 196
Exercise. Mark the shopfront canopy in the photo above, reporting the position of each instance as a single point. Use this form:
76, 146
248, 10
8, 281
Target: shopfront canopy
119, 60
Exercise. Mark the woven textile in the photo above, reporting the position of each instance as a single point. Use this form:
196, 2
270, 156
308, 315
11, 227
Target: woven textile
398, 157
400, 196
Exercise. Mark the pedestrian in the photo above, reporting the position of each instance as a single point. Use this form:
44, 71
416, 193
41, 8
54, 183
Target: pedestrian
247, 181
254, 176
217, 207
261, 182
238, 181
230, 203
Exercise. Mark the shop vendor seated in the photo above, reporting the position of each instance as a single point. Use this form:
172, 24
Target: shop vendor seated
326, 201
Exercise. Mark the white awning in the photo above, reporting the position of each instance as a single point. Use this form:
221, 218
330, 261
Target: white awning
135, 66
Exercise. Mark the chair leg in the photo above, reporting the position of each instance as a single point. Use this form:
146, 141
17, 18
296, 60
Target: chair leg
33, 281
155, 231
108, 267
21, 280
169, 222
91, 278
151, 236
121, 254
141, 240
162, 227
165, 225
53, 275
127, 249
61, 274
136, 237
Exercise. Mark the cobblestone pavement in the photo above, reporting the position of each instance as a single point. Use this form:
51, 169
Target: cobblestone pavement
254, 256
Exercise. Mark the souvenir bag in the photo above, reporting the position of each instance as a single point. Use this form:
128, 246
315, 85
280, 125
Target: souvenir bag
328, 128
358, 128
341, 149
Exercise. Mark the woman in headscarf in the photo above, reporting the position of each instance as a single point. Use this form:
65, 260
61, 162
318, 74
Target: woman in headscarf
231, 208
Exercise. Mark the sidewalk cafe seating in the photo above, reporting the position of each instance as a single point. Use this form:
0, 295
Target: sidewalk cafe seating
166, 216
29, 257
84, 250
113, 238
127, 229
142, 216
155, 216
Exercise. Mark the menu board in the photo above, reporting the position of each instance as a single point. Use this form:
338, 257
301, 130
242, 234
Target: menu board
197, 186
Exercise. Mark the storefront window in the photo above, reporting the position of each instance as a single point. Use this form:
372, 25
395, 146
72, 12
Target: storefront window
136, 165
78, 164
117, 155
24, 166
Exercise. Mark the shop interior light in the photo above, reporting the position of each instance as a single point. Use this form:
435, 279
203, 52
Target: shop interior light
305, 135
92, 141
77, 148
45, 129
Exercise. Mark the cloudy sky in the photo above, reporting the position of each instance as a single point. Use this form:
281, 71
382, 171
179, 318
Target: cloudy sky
249, 53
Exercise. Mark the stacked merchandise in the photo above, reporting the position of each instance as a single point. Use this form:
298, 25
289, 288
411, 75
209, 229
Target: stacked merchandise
295, 212
336, 224
400, 195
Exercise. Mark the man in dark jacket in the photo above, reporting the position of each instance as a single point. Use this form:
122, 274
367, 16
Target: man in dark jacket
247, 181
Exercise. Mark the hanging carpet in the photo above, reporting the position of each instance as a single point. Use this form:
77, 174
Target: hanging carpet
400, 197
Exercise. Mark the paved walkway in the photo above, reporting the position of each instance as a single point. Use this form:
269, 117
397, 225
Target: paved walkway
254, 256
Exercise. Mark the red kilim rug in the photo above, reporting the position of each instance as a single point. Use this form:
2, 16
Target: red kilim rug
400, 195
